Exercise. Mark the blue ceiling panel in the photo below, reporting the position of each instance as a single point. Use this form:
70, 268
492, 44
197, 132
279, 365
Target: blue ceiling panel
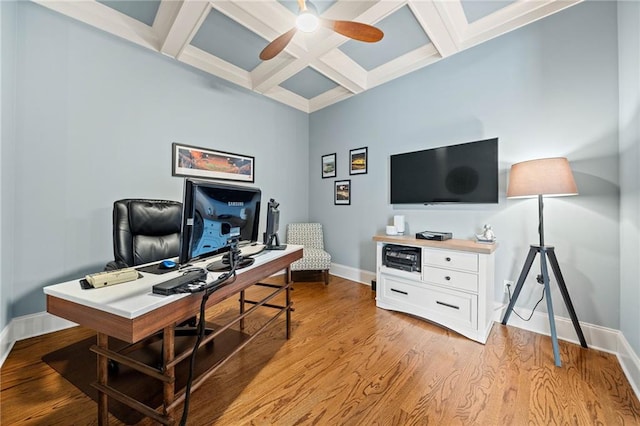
476, 9
402, 34
143, 11
308, 83
320, 5
225, 38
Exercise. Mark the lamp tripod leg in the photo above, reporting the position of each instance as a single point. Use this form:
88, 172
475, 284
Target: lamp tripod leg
523, 275
565, 295
547, 291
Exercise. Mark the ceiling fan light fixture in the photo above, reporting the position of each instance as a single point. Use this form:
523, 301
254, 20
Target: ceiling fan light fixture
307, 21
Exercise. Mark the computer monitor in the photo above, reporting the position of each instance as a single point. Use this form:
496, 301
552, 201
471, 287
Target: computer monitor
210, 211
271, 240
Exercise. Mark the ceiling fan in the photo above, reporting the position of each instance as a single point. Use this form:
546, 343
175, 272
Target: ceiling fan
308, 21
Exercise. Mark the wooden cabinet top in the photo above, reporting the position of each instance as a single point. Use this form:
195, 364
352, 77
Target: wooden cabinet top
452, 244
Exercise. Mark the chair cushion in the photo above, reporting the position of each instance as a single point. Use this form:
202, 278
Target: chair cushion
312, 260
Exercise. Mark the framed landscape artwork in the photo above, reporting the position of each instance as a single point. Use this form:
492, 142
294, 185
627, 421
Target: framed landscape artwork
342, 192
329, 166
358, 161
191, 161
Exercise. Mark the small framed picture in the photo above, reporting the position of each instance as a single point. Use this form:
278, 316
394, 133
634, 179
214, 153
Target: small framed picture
329, 166
342, 192
358, 161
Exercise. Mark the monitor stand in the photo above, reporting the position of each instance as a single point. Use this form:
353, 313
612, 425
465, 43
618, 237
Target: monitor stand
222, 265
271, 246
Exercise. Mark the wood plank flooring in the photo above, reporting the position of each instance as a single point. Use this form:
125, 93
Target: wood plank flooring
349, 363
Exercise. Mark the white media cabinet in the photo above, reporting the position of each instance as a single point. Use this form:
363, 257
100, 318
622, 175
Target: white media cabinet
454, 287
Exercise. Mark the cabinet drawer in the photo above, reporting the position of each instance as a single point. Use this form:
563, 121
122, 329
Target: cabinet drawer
450, 259
444, 306
449, 278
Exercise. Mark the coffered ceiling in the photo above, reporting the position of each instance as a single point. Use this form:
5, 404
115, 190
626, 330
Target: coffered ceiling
224, 38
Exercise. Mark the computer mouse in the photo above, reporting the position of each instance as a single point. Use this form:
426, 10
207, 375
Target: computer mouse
167, 264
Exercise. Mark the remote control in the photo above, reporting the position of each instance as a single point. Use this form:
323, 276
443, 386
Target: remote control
171, 286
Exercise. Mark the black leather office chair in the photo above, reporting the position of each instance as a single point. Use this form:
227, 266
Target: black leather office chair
145, 231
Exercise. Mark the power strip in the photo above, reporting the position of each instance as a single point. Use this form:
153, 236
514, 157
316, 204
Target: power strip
106, 278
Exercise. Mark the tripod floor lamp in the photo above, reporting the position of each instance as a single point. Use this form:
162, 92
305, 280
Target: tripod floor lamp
544, 177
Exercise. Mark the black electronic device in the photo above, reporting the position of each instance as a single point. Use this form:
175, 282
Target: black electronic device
402, 257
434, 236
464, 173
271, 240
175, 285
210, 211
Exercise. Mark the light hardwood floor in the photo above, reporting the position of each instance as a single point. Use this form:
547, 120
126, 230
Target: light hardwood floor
349, 363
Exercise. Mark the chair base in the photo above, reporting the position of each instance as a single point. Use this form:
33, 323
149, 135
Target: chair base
309, 275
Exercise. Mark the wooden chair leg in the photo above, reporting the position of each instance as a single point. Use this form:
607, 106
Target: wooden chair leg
326, 277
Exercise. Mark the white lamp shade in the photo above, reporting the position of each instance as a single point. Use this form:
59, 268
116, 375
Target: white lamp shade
545, 176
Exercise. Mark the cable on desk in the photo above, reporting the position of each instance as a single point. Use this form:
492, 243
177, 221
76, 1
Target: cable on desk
234, 258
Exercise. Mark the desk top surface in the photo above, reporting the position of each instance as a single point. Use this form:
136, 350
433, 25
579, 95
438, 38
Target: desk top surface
135, 298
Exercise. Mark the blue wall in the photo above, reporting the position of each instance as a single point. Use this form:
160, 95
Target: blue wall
95, 119
629, 50
548, 89
8, 140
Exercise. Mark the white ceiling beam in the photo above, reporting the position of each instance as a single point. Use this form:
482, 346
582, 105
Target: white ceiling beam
107, 19
510, 18
329, 97
166, 15
439, 31
181, 25
271, 73
204, 61
266, 19
409, 62
340, 68
289, 98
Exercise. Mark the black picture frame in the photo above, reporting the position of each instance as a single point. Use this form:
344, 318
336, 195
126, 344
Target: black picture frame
328, 166
342, 192
358, 161
193, 161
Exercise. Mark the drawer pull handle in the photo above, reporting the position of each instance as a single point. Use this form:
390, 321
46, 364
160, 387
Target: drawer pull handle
448, 278
448, 259
400, 291
447, 305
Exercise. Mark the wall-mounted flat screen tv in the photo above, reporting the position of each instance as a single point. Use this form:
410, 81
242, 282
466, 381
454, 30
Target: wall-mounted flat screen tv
464, 173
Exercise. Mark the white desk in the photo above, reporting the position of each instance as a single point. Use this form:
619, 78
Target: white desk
132, 313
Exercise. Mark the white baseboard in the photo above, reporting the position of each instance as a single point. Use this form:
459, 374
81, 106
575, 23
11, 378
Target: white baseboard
29, 326
597, 337
6, 343
630, 364
353, 274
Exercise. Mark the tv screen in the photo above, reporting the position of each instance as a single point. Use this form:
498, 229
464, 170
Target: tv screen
210, 211
465, 173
